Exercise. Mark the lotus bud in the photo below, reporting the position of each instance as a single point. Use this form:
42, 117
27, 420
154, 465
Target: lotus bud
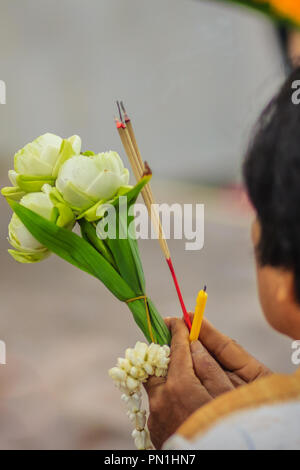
83, 180
27, 248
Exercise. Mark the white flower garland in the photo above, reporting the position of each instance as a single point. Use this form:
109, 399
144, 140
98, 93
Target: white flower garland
131, 372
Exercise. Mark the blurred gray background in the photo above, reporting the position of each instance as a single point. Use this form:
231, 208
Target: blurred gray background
194, 75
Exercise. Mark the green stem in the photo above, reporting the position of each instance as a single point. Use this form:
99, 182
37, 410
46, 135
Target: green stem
88, 232
159, 329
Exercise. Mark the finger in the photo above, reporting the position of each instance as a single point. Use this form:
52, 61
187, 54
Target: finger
153, 385
224, 349
167, 321
208, 371
235, 379
230, 354
181, 360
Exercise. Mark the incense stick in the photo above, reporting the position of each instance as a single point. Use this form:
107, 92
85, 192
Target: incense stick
138, 166
130, 145
146, 191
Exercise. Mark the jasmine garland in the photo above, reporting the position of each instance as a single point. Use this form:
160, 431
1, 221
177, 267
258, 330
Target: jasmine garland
129, 374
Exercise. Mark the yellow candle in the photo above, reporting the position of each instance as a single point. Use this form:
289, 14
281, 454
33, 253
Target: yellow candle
199, 314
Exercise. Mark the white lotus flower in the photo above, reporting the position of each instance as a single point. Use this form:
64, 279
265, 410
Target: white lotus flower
85, 180
39, 162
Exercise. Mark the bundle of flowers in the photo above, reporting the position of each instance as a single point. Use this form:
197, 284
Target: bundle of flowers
55, 187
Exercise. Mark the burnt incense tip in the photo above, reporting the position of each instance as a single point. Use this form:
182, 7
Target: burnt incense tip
147, 169
122, 106
126, 117
120, 112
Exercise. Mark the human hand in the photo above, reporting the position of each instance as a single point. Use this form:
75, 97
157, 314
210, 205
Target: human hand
198, 372
194, 379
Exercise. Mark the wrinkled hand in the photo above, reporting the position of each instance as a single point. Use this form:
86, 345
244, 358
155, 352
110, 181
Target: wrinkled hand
197, 374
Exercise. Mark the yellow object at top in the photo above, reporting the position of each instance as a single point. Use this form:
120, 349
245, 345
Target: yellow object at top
287, 8
287, 11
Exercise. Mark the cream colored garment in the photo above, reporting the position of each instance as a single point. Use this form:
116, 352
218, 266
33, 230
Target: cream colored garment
271, 427
247, 416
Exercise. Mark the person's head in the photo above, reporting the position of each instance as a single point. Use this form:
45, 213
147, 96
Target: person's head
272, 177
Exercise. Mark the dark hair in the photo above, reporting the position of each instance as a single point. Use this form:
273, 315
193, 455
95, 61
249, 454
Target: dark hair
272, 177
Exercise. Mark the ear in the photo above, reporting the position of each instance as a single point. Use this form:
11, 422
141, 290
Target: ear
287, 306
285, 292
